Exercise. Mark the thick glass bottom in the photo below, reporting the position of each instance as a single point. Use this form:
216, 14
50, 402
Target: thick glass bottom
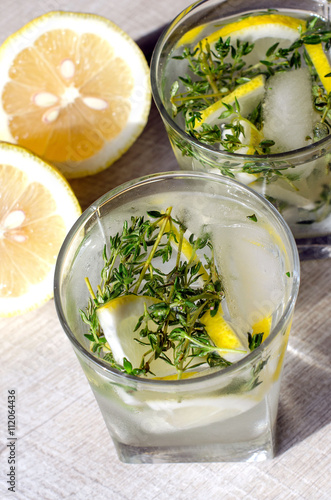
253, 451
143, 437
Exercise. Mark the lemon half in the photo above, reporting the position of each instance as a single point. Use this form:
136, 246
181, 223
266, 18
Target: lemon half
74, 89
37, 208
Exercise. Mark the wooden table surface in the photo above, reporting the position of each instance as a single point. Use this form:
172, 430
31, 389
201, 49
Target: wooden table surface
63, 450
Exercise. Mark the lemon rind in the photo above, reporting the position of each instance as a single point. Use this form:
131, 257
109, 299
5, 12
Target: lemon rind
140, 99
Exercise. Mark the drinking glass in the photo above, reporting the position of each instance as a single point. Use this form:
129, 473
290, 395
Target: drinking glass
219, 414
298, 182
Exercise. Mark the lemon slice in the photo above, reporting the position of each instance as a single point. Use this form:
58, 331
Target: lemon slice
263, 326
250, 138
321, 63
253, 29
248, 96
223, 336
264, 31
37, 208
74, 89
118, 318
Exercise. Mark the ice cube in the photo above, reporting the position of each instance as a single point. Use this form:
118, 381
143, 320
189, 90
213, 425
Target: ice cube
252, 272
288, 110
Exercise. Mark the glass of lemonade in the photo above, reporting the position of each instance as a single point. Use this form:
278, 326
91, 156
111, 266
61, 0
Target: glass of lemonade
243, 89
183, 340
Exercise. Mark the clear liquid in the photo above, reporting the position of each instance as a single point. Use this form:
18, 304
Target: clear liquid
250, 262
223, 428
302, 194
228, 417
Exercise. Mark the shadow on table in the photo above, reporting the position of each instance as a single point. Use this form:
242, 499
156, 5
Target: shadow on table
305, 403
151, 153
305, 400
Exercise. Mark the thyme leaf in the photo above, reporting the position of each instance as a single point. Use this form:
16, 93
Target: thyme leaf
172, 328
215, 72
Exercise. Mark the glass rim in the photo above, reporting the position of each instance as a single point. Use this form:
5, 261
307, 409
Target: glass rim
159, 177
154, 74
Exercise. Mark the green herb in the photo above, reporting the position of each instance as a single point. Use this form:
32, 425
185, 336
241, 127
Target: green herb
215, 73
252, 217
255, 340
185, 294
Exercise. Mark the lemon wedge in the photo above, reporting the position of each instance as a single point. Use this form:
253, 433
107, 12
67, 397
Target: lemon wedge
186, 249
321, 63
250, 138
118, 318
191, 36
248, 96
263, 326
74, 89
264, 31
254, 29
37, 208
223, 336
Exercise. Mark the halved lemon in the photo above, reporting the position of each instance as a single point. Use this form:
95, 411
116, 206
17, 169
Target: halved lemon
74, 89
37, 208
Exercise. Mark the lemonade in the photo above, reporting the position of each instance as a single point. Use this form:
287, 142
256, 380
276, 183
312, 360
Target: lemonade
209, 394
191, 309
245, 94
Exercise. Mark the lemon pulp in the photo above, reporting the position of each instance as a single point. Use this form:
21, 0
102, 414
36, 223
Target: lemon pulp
37, 208
74, 90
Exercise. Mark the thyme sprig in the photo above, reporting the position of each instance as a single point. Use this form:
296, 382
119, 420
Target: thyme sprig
215, 72
133, 264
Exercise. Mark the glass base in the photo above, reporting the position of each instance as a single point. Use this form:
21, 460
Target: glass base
230, 452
